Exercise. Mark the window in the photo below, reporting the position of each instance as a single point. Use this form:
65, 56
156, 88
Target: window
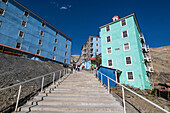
38, 52
66, 39
128, 60
125, 34
126, 47
56, 40
21, 34
2, 11
65, 61
91, 45
55, 48
56, 32
123, 22
108, 39
65, 53
107, 28
24, 23
91, 55
97, 44
130, 76
91, 51
26, 13
18, 45
109, 63
97, 50
42, 33
91, 39
66, 46
5, 1
109, 50
54, 57
43, 24
96, 39
40, 42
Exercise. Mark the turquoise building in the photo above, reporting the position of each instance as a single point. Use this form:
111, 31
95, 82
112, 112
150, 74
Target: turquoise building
123, 47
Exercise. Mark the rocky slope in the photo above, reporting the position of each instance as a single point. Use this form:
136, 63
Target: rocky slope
161, 64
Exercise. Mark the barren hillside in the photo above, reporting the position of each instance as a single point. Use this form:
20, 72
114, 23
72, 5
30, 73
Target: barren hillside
161, 63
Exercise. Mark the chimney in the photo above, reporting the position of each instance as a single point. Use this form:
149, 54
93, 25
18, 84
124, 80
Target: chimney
115, 18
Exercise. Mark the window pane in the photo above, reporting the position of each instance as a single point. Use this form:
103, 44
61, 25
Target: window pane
5, 1
130, 75
1, 11
128, 60
109, 50
108, 39
18, 45
108, 28
125, 34
24, 23
26, 13
126, 46
109, 62
123, 22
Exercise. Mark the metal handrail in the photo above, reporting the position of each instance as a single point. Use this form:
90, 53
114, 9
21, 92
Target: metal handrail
42, 84
123, 87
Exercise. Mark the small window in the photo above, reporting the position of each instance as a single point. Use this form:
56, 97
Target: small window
2, 11
110, 63
0, 23
128, 61
43, 24
24, 23
42, 33
38, 52
66, 46
5, 1
108, 39
65, 61
130, 76
97, 50
40, 42
107, 28
109, 50
91, 50
54, 57
126, 47
91, 39
26, 13
97, 44
125, 34
65, 53
91, 55
18, 45
21, 34
97, 39
56, 40
66, 39
123, 22
55, 48
56, 32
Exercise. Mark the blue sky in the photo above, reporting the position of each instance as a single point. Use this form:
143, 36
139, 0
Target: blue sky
81, 18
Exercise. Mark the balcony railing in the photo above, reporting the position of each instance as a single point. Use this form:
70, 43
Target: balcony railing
147, 58
145, 49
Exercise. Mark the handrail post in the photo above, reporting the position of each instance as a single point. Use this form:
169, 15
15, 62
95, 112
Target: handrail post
101, 79
19, 92
53, 78
60, 75
42, 84
108, 85
123, 94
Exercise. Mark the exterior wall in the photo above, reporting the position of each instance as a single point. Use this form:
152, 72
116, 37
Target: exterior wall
86, 64
118, 54
11, 25
96, 47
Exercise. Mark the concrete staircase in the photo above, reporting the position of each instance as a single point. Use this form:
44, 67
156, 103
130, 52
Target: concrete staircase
78, 93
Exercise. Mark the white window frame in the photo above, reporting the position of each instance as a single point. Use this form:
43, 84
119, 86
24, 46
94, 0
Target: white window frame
37, 51
127, 34
54, 57
121, 22
106, 28
39, 42
130, 59
124, 46
132, 74
3, 12
20, 45
107, 50
25, 24
110, 39
42, 24
55, 40
27, 15
43, 32
4, 2
108, 63
22, 35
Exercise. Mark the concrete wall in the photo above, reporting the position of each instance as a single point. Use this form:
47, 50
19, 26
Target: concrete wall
118, 54
11, 25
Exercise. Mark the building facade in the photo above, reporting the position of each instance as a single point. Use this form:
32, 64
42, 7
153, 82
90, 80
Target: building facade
89, 50
123, 48
23, 31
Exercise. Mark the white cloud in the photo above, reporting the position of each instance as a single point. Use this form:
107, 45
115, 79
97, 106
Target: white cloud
63, 7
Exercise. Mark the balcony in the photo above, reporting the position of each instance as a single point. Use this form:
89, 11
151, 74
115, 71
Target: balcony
149, 69
147, 58
142, 39
145, 49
